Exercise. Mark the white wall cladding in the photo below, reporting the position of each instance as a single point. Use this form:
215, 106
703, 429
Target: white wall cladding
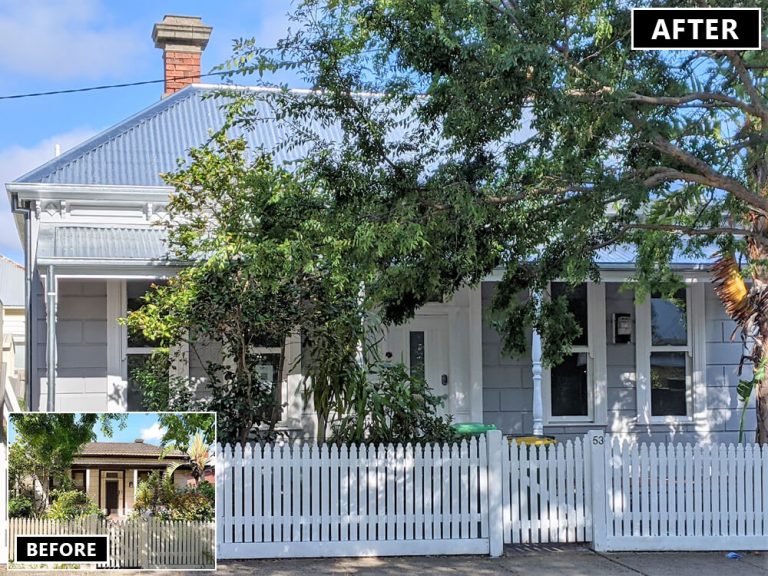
507, 382
81, 332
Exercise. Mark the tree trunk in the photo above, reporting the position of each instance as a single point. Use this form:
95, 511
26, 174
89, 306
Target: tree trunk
758, 297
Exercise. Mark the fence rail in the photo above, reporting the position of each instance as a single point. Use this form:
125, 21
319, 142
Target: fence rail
150, 543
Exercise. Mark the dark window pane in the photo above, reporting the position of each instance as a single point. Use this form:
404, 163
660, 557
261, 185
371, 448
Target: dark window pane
135, 292
577, 305
78, 479
416, 350
569, 386
668, 384
668, 321
135, 362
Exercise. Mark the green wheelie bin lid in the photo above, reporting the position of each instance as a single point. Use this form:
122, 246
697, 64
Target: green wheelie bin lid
472, 428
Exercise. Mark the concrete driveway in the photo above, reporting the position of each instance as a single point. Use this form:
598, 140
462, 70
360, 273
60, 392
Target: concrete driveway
534, 560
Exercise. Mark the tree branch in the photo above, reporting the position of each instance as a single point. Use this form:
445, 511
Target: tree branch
695, 97
754, 95
707, 175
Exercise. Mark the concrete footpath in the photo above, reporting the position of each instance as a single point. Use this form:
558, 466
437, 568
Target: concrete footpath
553, 560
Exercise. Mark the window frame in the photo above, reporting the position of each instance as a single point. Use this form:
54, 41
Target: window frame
695, 358
596, 365
117, 344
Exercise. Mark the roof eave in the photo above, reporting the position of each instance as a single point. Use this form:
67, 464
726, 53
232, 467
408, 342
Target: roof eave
25, 191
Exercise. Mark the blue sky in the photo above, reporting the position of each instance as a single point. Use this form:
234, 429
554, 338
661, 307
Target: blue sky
138, 425
61, 44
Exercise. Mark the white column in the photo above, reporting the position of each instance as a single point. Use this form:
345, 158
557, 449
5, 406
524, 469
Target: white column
476, 353
538, 403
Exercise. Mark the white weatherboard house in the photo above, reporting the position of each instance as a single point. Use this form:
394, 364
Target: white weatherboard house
86, 221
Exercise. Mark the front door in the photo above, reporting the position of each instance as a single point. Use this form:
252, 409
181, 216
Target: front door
426, 353
112, 503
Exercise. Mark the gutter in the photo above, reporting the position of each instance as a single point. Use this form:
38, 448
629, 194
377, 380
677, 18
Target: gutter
16, 209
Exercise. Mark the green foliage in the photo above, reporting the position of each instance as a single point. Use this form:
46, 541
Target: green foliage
21, 505
160, 390
181, 429
508, 135
158, 497
525, 136
193, 504
69, 504
388, 405
46, 444
154, 495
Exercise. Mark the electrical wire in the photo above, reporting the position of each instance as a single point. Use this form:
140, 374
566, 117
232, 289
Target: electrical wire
106, 86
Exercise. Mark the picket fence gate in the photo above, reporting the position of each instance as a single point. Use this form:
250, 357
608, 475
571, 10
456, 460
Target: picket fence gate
295, 500
149, 543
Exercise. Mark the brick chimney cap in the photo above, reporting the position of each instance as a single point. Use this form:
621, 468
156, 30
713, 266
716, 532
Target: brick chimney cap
181, 33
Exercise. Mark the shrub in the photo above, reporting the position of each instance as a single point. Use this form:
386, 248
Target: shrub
21, 506
158, 497
192, 505
392, 406
69, 504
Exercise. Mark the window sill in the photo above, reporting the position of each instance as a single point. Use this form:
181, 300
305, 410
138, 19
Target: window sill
671, 420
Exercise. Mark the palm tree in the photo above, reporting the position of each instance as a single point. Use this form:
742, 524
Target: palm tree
199, 457
748, 307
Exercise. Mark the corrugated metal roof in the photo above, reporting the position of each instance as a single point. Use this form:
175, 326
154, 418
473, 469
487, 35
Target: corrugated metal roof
102, 243
623, 255
137, 150
11, 283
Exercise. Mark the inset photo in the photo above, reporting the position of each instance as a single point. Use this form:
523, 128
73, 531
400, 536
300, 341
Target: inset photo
111, 490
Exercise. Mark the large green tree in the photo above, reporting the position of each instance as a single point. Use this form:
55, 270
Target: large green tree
527, 135
45, 444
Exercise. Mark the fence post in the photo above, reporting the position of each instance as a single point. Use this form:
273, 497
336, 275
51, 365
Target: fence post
495, 502
144, 543
597, 441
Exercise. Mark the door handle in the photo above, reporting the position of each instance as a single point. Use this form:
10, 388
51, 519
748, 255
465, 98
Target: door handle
444, 379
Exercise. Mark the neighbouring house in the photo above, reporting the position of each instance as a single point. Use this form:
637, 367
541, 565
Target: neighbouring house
88, 218
110, 472
14, 325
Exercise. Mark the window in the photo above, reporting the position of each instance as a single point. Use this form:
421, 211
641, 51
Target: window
670, 352
416, 354
666, 362
139, 349
569, 387
78, 479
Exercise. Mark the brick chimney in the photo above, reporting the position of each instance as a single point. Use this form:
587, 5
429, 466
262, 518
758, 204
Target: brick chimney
183, 39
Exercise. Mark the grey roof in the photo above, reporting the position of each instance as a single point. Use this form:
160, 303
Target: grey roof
137, 150
626, 256
11, 283
102, 243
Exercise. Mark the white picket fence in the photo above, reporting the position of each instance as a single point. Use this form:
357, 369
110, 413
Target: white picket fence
546, 493
680, 497
295, 500
292, 500
150, 543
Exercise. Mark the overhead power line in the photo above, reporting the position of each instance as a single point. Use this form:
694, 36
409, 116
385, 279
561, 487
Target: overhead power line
105, 87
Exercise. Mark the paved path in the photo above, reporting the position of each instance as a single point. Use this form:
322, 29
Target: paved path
533, 560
